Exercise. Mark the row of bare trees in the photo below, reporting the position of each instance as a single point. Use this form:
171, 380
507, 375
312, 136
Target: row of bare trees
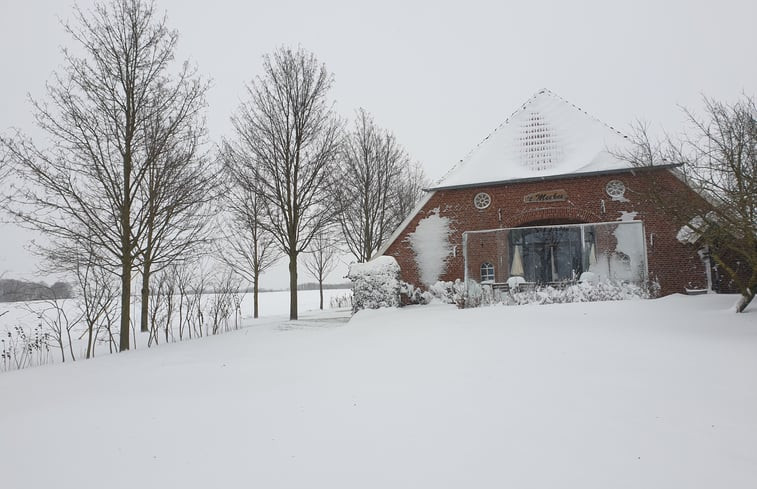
124, 184
126, 188
301, 183
187, 300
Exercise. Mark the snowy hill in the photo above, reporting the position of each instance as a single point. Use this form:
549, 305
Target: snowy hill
653, 394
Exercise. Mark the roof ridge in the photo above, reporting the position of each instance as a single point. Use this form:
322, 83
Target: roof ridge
521, 108
583, 111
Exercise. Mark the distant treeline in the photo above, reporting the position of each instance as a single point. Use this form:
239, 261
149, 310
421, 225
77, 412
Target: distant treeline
314, 286
309, 286
12, 290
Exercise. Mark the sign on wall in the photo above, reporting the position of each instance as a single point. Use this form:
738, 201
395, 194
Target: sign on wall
546, 196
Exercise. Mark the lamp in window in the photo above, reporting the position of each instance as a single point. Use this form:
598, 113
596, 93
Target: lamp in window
592, 255
553, 265
516, 269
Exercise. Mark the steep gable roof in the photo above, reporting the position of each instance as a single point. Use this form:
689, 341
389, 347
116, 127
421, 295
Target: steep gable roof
546, 137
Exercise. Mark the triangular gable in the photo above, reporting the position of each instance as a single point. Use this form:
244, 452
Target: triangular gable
546, 137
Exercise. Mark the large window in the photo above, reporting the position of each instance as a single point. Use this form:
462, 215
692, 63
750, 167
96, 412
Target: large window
548, 254
487, 272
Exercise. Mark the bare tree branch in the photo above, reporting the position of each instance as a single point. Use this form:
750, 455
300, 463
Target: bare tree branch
376, 187
718, 159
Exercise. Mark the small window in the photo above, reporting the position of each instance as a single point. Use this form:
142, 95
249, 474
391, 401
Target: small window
482, 200
487, 272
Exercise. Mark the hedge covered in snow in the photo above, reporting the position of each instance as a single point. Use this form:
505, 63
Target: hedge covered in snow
581, 292
375, 284
475, 295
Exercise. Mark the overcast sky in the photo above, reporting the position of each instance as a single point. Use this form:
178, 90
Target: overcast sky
440, 75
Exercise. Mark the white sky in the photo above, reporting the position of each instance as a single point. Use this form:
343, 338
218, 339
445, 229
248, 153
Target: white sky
441, 75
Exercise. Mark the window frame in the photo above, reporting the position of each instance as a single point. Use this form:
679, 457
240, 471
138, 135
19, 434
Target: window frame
488, 268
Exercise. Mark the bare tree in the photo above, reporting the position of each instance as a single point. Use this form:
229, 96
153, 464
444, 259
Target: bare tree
97, 298
718, 159
183, 280
248, 248
180, 186
223, 302
290, 137
321, 258
100, 119
54, 319
162, 306
378, 187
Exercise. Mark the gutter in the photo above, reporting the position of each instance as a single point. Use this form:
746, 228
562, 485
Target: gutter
564, 176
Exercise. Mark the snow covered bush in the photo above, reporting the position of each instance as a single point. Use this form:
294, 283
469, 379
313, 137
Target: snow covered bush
375, 284
475, 295
458, 293
441, 291
341, 301
581, 292
411, 295
472, 295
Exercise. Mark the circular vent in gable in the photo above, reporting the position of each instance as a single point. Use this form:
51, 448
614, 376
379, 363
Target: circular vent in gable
615, 189
482, 200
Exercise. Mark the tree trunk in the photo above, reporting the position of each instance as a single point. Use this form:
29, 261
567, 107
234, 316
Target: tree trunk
143, 316
293, 286
89, 339
255, 296
320, 289
125, 299
125, 217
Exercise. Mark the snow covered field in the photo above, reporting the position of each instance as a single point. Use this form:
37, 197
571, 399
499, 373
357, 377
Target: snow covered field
23, 318
634, 394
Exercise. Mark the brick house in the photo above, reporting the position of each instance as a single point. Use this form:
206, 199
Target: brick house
544, 198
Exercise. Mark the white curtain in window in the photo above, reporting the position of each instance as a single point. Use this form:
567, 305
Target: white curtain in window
516, 269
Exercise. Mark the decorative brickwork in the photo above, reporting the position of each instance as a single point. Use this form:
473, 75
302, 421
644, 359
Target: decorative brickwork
674, 265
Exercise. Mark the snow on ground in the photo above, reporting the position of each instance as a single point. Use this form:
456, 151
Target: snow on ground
652, 394
276, 303
26, 315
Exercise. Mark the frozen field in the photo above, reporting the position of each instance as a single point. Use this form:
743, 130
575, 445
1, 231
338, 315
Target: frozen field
24, 318
636, 394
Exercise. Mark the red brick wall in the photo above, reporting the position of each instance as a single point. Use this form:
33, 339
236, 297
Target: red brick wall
674, 265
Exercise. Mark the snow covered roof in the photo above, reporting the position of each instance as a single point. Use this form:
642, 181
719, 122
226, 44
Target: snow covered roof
546, 137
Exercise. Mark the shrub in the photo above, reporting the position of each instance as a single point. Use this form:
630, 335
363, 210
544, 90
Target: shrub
341, 301
476, 295
375, 284
20, 348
